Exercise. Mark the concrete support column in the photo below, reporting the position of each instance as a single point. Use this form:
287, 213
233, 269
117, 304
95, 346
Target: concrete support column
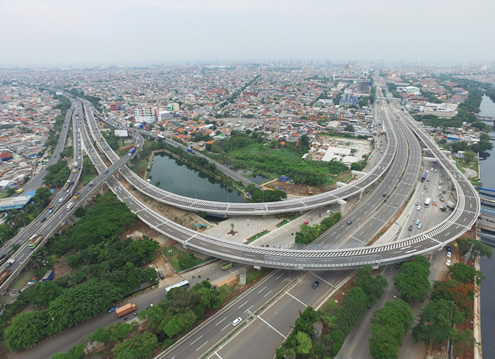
242, 276
341, 184
342, 204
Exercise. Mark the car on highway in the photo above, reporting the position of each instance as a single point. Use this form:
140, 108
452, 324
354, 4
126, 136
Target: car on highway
43, 219
50, 211
422, 193
449, 254
113, 309
419, 225
236, 321
417, 204
418, 208
448, 262
316, 284
60, 200
418, 221
449, 249
410, 228
349, 222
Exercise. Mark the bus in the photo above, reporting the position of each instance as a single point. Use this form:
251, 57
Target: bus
427, 202
183, 284
226, 265
424, 177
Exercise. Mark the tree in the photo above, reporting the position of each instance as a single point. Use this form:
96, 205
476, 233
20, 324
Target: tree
141, 346
463, 340
349, 128
43, 293
372, 286
479, 248
435, 322
76, 352
354, 304
27, 330
412, 282
465, 274
304, 143
304, 344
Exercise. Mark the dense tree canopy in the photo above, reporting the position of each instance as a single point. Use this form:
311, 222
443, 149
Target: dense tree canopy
57, 174
412, 282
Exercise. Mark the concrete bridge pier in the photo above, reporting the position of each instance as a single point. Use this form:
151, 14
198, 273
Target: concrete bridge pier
358, 174
340, 184
342, 204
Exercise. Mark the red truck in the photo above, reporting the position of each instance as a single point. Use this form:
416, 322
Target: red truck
126, 309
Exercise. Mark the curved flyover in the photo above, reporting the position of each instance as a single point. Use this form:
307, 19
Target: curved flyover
225, 208
460, 221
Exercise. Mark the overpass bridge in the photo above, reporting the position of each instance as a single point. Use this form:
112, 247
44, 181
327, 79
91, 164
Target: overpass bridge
461, 220
356, 188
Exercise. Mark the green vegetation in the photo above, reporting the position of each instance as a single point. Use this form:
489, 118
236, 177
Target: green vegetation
75, 353
389, 326
308, 234
88, 171
393, 89
141, 346
242, 151
181, 260
112, 140
337, 321
259, 195
412, 282
57, 174
253, 274
67, 152
451, 304
182, 309
105, 269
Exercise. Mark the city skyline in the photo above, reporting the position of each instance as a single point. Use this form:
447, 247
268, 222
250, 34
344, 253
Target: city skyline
96, 33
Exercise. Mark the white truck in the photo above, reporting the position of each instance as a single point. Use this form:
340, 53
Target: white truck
70, 206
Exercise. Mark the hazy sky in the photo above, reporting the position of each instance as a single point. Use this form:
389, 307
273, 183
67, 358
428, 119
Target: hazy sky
93, 32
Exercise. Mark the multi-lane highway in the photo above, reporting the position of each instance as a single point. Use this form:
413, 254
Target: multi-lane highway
63, 205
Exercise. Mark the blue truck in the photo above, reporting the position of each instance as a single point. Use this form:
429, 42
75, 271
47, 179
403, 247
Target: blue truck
190, 150
48, 276
132, 151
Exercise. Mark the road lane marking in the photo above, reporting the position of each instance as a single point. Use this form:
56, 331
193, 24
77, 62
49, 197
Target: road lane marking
195, 340
221, 321
267, 293
320, 278
243, 304
296, 299
202, 345
228, 325
217, 355
262, 289
264, 321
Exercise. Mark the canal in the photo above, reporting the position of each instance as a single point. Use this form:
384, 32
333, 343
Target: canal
175, 176
488, 264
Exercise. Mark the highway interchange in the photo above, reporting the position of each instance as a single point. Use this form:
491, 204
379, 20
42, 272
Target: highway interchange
290, 289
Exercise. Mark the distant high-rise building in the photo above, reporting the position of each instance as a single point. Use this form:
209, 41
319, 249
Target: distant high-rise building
146, 114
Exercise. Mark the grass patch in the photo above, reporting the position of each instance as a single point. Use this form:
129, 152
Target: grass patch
226, 291
253, 274
181, 260
256, 236
22, 280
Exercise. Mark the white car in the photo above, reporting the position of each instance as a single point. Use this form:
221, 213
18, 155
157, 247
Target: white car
236, 321
448, 262
449, 254
422, 193
418, 208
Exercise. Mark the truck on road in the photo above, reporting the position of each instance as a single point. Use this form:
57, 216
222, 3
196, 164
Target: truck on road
70, 206
4, 275
132, 151
35, 240
126, 309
